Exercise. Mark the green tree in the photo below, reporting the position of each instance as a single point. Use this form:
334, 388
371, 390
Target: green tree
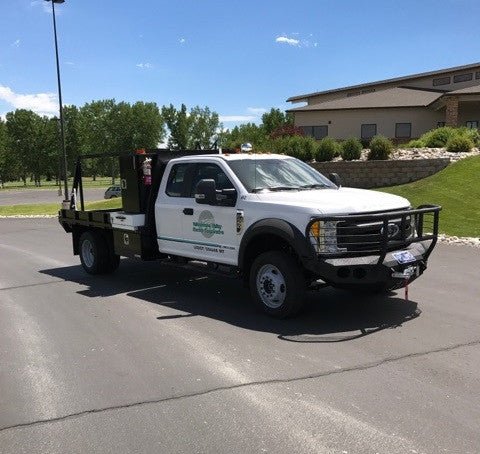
23, 128
4, 170
205, 126
97, 135
188, 130
275, 119
179, 124
147, 125
71, 118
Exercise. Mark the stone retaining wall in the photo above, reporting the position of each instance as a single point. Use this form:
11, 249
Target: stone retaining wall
375, 174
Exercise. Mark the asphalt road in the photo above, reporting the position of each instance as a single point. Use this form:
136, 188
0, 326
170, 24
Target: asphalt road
156, 359
27, 196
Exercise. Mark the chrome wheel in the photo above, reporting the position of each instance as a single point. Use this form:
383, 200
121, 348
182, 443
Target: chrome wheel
271, 286
87, 253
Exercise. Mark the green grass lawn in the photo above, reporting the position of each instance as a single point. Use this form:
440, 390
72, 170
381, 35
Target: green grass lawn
52, 208
100, 182
457, 189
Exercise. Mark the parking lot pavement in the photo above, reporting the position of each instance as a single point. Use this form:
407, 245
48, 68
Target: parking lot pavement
27, 196
157, 358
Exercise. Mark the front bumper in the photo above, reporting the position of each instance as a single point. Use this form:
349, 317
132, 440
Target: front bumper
379, 265
346, 272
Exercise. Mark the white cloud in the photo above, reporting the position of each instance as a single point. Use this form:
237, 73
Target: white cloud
296, 42
144, 65
70, 63
236, 118
41, 103
287, 40
16, 43
182, 40
257, 110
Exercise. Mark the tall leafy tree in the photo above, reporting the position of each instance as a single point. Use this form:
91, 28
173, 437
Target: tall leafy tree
147, 125
275, 119
179, 124
5, 172
71, 118
23, 128
205, 126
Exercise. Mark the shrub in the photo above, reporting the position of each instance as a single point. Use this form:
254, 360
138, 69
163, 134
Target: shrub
299, 147
351, 149
418, 143
380, 148
459, 144
472, 134
326, 150
438, 138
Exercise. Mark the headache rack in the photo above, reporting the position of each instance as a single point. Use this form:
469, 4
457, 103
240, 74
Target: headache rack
373, 234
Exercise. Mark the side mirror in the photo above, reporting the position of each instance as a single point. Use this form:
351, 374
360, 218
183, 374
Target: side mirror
335, 179
205, 192
227, 197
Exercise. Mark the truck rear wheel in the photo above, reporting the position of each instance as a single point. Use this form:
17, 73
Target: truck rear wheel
277, 284
96, 255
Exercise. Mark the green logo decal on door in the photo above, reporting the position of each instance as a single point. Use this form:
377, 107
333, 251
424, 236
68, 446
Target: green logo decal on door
206, 225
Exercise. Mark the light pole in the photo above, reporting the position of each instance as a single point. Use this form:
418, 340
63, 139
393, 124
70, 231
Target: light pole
62, 130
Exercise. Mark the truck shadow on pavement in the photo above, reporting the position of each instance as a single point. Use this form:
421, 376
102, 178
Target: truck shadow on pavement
329, 316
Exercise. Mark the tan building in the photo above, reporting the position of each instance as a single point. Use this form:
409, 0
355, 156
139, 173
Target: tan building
402, 108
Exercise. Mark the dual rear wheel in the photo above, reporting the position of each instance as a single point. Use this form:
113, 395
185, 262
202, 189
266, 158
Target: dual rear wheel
97, 254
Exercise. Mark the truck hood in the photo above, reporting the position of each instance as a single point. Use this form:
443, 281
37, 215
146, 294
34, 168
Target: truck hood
336, 201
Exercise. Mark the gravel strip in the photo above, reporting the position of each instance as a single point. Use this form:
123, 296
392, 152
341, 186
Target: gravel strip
404, 154
462, 240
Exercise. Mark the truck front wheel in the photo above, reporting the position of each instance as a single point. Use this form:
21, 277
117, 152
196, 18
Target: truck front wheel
96, 255
277, 284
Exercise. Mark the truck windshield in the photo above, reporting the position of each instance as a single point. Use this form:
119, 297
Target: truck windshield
258, 175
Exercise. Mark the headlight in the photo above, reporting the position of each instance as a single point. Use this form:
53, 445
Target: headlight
323, 236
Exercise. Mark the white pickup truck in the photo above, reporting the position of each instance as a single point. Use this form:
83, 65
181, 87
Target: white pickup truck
271, 219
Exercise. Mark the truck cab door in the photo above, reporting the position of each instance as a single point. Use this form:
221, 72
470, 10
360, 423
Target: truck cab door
210, 231
172, 202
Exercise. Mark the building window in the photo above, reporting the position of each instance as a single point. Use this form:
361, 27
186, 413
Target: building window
477, 75
369, 131
463, 77
403, 130
472, 124
319, 132
307, 130
440, 124
441, 81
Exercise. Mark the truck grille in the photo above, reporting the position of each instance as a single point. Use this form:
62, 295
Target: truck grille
366, 236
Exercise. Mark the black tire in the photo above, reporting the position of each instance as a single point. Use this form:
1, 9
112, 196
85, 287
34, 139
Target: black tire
96, 254
277, 284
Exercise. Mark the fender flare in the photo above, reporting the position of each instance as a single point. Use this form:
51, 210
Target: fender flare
283, 229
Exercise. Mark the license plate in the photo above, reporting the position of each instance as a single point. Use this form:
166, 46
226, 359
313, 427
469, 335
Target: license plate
403, 257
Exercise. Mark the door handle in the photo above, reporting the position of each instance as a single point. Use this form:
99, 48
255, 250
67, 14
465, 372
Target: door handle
188, 211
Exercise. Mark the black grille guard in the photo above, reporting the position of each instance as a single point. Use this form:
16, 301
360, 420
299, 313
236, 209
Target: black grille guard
391, 232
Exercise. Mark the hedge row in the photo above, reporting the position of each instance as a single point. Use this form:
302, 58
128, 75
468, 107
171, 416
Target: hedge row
454, 139
308, 149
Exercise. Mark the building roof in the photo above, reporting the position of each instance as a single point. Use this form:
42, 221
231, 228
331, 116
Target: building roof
392, 97
386, 81
466, 91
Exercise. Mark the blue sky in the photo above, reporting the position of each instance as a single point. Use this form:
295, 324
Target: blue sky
237, 57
